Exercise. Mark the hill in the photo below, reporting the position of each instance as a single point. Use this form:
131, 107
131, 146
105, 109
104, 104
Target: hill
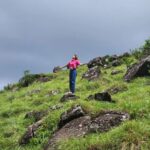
37, 100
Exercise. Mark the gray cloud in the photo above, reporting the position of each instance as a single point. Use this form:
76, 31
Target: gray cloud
38, 35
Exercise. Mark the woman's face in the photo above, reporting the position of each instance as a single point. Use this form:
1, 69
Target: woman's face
73, 57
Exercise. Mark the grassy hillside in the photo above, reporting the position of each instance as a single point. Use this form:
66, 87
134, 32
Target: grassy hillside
133, 134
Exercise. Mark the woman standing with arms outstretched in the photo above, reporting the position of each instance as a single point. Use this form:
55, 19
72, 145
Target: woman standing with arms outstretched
72, 65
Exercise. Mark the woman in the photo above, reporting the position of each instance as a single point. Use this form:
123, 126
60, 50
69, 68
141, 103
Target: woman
72, 65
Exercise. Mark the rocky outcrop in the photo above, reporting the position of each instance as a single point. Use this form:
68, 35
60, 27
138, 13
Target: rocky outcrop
105, 61
75, 128
103, 96
92, 74
98, 61
69, 96
71, 114
83, 125
139, 69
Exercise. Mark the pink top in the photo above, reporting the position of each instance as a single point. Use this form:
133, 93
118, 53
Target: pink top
73, 64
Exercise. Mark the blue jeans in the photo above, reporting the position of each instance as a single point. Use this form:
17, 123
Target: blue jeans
72, 80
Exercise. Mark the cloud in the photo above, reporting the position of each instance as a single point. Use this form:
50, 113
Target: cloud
38, 35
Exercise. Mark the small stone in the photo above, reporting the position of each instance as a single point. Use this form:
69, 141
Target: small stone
69, 96
103, 96
114, 72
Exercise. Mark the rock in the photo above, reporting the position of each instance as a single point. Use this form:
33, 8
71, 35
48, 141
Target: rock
56, 107
71, 114
91, 97
75, 128
85, 124
69, 96
36, 115
138, 69
31, 131
92, 74
116, 63
116, 89
113, 58
106, 120
106, 61
98, 61
52, 93
57, 69
104, 96
114, 72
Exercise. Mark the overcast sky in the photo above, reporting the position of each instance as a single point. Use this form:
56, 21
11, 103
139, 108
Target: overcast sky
37, 35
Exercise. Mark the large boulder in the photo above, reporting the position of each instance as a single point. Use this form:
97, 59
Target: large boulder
83, 125
92, 74
71, 114
69, 96
75, 128
142, 68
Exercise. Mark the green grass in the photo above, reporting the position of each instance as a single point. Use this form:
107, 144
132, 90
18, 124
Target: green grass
132, 134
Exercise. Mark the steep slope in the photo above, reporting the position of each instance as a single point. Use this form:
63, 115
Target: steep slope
45, 96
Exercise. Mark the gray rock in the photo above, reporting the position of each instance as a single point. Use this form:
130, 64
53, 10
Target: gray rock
116, 63
71, 114
103, 96
92, 74
69, 96
114, 72
83, 125
75, 128
138, 69
106, 120
56, 107
52, 93
57, 69
98, 61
